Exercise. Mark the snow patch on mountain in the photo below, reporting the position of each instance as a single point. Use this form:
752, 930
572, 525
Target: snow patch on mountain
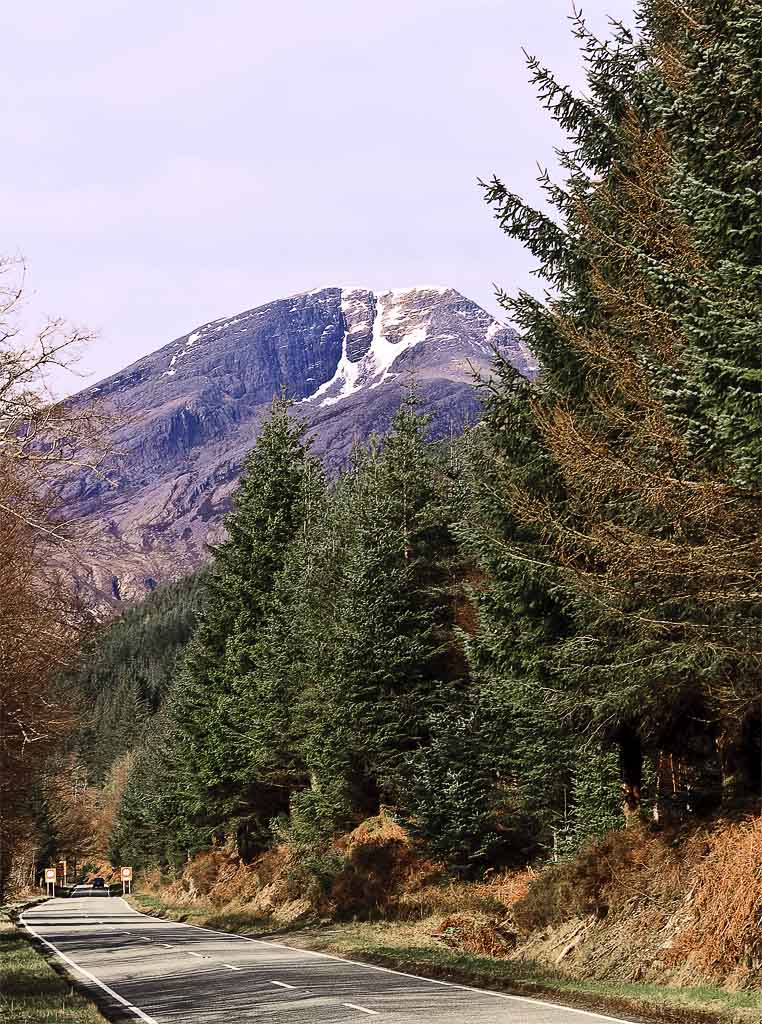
345, 378
384, 352
375, 366
379, 328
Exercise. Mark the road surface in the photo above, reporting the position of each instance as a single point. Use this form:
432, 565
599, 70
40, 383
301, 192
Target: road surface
163, 972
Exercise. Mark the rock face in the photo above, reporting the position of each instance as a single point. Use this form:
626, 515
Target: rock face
187, 414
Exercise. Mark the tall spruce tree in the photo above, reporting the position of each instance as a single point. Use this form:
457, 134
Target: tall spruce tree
618, 513
265, 728
390, 655
216, 690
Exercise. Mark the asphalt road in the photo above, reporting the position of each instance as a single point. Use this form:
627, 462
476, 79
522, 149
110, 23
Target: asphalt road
164, 972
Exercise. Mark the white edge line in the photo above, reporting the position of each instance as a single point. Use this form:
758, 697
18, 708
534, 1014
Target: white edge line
363, 1009
91, 977
281, 984
401, 974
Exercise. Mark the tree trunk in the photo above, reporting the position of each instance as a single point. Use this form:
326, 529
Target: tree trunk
739, 748
631, 768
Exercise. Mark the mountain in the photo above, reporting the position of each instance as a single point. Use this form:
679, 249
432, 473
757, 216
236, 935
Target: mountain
186, 415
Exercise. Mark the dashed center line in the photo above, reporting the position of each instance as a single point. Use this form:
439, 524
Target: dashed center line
282, 984
199, 955
231, 968
362, 1009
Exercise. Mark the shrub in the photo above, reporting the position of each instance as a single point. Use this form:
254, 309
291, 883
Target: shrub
313, 818
586, 883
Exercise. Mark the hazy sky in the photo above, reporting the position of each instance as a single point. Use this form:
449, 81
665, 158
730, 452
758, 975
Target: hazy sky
169, 163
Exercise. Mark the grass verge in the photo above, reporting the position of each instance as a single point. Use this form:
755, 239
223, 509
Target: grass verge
31, 992
412, 949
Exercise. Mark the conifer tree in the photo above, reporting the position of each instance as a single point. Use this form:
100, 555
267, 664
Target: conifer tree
390, 656
622, 528
264, 699
209, 702
158, 820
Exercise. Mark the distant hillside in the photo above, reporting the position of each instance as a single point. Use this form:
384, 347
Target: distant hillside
126, 671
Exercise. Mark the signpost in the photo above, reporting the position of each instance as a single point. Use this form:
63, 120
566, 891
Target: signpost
50, 881
126, 880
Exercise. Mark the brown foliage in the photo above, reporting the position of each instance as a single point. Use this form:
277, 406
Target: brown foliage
693, 898
110, 798
480, 937
73, 808
598, 880
724, 935
380, 862
39, 625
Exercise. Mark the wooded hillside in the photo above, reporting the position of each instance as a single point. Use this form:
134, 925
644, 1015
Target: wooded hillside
542, 632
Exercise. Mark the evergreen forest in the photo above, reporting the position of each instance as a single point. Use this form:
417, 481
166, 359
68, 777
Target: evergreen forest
539, 632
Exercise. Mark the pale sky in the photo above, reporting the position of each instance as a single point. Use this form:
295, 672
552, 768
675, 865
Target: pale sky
166, 164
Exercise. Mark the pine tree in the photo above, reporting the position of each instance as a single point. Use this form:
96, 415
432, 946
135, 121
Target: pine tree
450, 788
523, 614
159, 820
263, 711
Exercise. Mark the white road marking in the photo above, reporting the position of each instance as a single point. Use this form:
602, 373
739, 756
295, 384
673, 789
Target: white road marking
230, 967
282, 984
362, 1009
168, 945
91, 977
199, 955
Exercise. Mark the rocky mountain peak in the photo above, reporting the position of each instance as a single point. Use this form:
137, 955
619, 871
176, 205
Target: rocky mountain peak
188, 413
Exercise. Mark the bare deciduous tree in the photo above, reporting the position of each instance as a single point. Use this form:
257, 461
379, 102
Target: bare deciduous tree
39, 623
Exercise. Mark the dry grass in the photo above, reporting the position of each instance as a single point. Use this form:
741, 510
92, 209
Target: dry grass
724, 936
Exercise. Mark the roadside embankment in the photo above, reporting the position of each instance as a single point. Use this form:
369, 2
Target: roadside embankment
661, 926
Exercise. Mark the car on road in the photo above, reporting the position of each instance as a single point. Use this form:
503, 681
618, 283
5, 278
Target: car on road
80, 891
98, 883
